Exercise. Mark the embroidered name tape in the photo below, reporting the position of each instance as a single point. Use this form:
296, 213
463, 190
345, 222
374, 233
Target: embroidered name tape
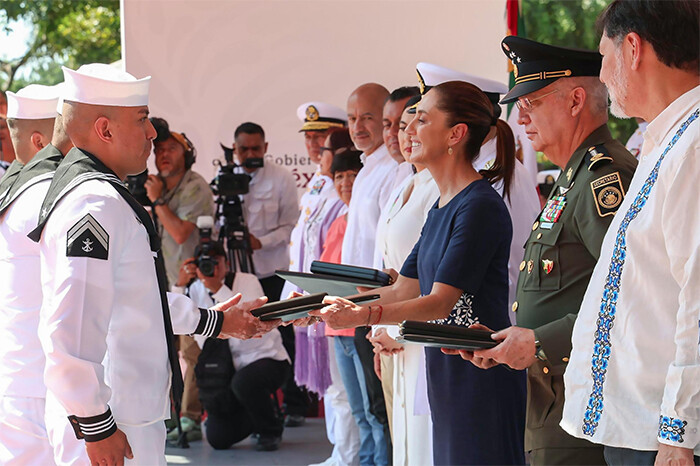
608, 193
87, 238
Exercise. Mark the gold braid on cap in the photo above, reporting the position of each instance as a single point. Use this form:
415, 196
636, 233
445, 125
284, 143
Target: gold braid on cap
542, 75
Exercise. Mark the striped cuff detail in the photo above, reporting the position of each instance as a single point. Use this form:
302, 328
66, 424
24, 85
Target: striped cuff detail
210, 323
94, 428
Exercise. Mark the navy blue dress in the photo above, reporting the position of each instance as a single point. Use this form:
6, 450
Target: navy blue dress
478, 415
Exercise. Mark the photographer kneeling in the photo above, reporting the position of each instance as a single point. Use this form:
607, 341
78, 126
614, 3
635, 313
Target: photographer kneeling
236, 378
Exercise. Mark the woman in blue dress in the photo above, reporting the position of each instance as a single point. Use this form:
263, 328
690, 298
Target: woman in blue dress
457, 274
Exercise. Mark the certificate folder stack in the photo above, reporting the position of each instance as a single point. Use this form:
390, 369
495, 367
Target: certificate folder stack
445, 336
299, 307
335, 279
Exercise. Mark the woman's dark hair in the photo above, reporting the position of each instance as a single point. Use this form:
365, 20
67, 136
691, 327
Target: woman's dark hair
340, 139
466, 103
346, 159
670, 26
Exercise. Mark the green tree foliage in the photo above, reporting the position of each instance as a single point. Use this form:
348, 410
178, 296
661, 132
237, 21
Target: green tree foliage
571, 23
65, 32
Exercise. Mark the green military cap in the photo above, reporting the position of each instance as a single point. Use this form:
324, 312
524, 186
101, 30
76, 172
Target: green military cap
537, 65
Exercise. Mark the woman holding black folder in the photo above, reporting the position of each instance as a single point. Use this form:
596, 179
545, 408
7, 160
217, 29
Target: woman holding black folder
457, 274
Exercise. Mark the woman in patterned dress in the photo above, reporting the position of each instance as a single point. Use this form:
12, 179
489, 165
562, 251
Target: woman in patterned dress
457, 275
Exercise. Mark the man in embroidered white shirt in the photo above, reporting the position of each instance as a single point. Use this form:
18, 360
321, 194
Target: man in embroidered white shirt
633, 381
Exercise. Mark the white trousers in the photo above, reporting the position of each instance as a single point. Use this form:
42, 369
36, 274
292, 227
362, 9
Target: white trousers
23, 439
346, 449
147, 442
412, 434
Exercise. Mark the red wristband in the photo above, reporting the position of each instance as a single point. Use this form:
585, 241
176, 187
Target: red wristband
379, 319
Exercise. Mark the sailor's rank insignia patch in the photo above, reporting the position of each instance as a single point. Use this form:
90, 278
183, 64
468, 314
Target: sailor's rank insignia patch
608, 193
87, 238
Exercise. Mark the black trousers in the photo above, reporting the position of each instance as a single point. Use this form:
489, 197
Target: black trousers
296, 401
377, 405
249, 406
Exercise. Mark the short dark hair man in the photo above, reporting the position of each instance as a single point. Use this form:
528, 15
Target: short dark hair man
243, 402
270, 208
633, 381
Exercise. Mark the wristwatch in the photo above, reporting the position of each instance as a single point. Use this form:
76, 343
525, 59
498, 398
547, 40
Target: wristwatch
539, 352
159, 201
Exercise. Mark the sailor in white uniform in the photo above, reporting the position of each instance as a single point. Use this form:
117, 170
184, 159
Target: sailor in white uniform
105, 323
31, 115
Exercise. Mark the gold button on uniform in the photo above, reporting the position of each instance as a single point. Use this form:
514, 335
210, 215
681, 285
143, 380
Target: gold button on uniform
535, 225
515, 306
522, 266
539, 235
565, 359
545, 370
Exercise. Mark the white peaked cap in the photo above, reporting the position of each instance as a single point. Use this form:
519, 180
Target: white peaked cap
436, 74
101, 84
34, 102
319, 116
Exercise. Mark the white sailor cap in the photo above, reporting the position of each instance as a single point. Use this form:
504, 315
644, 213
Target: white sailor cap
319, 116
101, 84
430, 75
34, 102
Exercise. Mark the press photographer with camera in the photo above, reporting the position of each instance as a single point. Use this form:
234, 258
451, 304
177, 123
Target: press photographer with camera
179, 196
238, 392
270, 208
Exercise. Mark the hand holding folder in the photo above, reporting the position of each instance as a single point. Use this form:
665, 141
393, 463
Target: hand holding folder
445, 336
298, 307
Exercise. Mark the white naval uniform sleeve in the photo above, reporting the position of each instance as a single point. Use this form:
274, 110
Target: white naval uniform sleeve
188, 319
77, 311
288, 205
679, 421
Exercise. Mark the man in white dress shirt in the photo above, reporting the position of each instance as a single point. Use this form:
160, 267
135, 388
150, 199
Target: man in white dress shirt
370, 193
23, 437
633, 381
105, 324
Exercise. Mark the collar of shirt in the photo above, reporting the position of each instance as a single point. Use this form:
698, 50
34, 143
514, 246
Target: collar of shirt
598, 136
486, 154
663, 124
375, 157
422, 177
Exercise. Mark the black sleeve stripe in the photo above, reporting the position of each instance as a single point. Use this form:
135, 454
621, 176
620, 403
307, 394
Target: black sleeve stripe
94, 428
210, 323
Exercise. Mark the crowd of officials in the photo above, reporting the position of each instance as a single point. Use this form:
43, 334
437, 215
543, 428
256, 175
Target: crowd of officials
591, 288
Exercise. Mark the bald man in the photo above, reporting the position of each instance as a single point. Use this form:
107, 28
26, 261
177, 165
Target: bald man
105, 306
370, 193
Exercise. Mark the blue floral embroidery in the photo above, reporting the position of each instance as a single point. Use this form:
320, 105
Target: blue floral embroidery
671, 428
602, 345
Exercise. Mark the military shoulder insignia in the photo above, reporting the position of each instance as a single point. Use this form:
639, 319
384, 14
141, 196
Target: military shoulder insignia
87, 238
598, 157
608, 193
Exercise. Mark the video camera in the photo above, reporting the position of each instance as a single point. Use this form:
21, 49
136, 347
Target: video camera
229, 186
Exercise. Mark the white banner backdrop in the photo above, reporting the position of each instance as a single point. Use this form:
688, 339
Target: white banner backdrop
216, 64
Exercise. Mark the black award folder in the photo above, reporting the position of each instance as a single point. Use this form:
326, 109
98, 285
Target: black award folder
335, 279
445, 336
299, 307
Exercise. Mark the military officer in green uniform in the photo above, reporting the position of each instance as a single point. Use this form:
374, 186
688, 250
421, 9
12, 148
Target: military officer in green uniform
563, 107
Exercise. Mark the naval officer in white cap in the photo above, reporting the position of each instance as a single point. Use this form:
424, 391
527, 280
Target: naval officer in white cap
522, 202
105, 323
31, 114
